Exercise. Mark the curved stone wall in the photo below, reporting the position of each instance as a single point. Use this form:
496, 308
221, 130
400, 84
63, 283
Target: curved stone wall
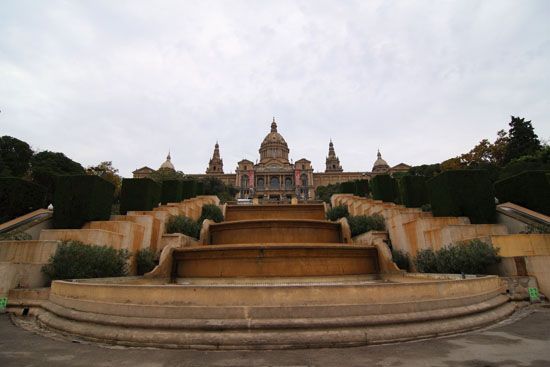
335, 311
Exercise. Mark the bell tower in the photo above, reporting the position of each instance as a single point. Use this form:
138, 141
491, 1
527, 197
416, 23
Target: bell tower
216, 163
332, 162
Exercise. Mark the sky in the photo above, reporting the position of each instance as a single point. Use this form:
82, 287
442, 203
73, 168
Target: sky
126, 81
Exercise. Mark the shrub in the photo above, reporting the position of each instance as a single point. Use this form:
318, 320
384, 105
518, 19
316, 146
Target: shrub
82, 198
347, 187
211, 211
171, 191
530, 189
199, 189
426, 261
401, 259
184, 225
19, 197
384, 187
463, 193
361, 188
76, 260
537, 229
139, 194
189, 189
412, 191
325, 192
339, 211
363, 223
426, 208
15, 236
145, 260
471, 257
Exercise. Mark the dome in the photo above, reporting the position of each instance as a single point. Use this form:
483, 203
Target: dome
380, 164
167, 165
274, 137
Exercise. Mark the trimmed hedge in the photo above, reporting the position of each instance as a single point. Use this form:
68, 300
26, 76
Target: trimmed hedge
463, 193
413, 191
362, 188
139, 194
199, 189
347, 187
189, 189
19, 197
530, 189
171, 191
81, 198
384, 187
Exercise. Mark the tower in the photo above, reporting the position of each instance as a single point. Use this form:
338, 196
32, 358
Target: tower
216, 163
332, 162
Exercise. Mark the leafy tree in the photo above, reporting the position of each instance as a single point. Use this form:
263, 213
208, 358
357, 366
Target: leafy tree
106, 171
215, 186
15, 155
540, 161
325, 192
427, 170
46, 165
523, 140
162, 175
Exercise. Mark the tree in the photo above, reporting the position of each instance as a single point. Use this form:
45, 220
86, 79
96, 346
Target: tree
15, 155
162, 175
427, 170
46, 165
106, 171
522, 140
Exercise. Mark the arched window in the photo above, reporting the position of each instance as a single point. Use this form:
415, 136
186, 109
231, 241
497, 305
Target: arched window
274, 183
260, 183
288, 183
244, 181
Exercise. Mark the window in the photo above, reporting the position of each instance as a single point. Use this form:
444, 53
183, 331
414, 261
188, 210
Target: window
288, 183
244, 181
274, 183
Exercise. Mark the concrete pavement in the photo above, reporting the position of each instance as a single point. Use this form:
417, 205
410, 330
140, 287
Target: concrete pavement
523, 340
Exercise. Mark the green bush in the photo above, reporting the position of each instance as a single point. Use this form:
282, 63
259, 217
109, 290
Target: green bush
76, 260
199, 190
189, 189
324, 193
184, 225
401, 259
384, 187
82, 198
363, 223
472, 257
171, 191
412, 191
347, 187
211, 211
139, 194
529, 189
19, 197
361, 188
339, 211
537, 229
463, 193
145, 260
426, 261
15, 236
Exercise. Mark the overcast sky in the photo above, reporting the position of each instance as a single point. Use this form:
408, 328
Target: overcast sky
127, 80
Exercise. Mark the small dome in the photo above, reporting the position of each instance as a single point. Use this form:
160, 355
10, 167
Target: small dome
380, 164
167, 164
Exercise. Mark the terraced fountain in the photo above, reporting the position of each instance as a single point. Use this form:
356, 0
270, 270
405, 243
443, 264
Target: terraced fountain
272, 276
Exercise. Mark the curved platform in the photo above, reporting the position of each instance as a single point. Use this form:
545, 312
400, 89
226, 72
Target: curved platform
275, 260
256, 313
275, 231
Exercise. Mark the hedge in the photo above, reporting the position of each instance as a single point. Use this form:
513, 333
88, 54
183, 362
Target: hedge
189, 189
384, 187
19, 197
412, 191
199, 190
347, 187
139, 194
81, 198
530, 189
171, 191
462, 193
361, 188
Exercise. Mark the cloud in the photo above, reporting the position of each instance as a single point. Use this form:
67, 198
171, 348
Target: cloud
128, 80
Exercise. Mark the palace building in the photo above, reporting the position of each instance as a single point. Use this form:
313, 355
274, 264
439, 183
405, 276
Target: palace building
274, 177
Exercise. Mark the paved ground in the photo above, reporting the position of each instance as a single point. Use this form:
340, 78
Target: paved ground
523, 341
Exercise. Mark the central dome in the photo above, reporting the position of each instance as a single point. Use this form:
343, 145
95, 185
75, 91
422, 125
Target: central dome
274, 136
274, 147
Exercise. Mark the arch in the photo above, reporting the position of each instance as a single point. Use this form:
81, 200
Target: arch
274, 183
244, 181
